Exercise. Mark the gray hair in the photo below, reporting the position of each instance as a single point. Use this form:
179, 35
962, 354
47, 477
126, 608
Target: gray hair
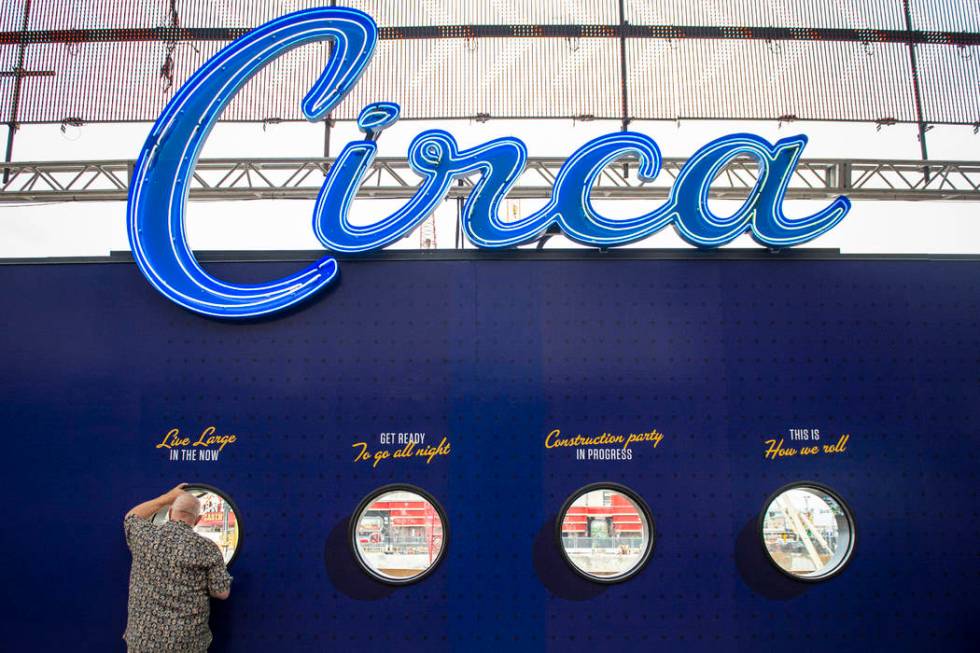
187, 504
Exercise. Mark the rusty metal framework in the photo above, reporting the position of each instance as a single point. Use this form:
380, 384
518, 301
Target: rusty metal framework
391, 178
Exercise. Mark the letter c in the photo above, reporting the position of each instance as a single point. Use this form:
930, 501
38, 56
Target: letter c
161, 178
547, 441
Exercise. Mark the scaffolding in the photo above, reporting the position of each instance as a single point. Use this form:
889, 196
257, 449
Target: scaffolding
392, 178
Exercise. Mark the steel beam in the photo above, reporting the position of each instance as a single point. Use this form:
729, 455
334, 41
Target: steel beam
389, 178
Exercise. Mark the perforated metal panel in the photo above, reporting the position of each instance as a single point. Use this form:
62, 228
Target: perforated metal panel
752, 59
498, 77
700, 79
946, 74
717, 355
944, 15
787, 13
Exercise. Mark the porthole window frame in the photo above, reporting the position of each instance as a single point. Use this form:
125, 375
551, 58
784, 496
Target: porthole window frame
372, 496
234, 508
849, 518
640, 503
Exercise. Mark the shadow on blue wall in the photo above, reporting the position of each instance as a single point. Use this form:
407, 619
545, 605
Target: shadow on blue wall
553, 571
757, 572
344, 572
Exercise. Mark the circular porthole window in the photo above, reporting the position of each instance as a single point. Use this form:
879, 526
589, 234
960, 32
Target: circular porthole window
807, 531
399, 533
606, 532
219, 519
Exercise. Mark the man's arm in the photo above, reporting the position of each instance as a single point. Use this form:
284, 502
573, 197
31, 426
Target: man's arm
219, 580
147, 509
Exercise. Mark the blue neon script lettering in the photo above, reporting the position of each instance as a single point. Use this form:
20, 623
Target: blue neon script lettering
159, 188
158, 194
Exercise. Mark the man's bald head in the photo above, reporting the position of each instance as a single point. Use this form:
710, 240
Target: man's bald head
186, 508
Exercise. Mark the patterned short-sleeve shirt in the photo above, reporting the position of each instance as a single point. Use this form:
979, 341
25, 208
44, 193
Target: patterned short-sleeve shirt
173, 574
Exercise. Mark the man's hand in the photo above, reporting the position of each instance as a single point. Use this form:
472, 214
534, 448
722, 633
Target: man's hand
176, 492
147, 509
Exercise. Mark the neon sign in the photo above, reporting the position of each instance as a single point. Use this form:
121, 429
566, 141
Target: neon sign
161, 178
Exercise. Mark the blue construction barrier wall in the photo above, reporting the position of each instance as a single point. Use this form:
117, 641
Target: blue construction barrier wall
718, 355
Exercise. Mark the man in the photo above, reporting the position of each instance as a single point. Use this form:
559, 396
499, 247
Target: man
174, 572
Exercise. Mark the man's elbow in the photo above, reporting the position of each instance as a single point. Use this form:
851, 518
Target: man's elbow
221, 595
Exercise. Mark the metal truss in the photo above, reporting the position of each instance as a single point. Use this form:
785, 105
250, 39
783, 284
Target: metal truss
249, 179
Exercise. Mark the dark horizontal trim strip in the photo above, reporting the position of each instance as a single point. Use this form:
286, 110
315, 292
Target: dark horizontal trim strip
175, 34
634, 254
